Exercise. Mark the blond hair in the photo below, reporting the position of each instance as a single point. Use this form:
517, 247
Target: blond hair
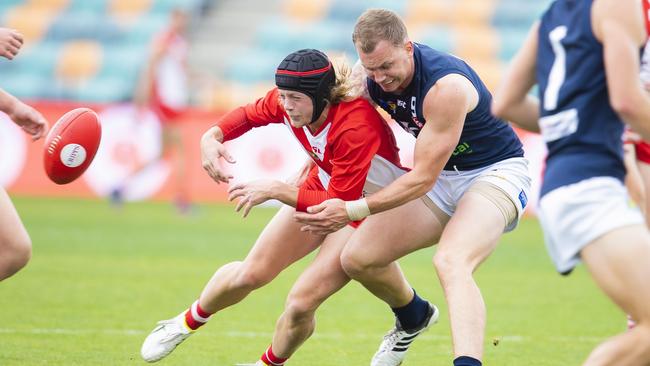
376, 25
342, 86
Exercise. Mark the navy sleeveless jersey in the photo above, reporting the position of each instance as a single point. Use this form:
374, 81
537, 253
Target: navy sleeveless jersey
484, 140
581, 130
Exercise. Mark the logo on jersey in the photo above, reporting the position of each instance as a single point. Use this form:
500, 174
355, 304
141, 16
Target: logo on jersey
523, 199
318, 143
414, 113
392, 106
462, 148
401, 103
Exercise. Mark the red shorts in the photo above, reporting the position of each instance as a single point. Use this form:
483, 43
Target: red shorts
313, 183
642, 152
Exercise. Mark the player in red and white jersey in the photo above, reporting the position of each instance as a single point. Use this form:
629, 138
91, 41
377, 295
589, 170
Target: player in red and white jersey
352, 150
164, 89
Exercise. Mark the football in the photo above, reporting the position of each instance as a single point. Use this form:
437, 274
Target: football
71, 145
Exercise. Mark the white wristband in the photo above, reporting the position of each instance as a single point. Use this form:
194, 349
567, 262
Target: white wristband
357, 210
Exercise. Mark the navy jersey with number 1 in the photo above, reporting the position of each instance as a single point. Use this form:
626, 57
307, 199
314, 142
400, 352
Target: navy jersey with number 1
581, 130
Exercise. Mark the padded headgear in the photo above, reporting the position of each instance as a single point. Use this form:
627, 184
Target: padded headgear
310, 72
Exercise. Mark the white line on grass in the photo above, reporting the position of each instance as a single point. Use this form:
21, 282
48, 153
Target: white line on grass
268, 335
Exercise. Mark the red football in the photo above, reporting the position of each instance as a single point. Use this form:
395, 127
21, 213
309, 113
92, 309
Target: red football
71, 145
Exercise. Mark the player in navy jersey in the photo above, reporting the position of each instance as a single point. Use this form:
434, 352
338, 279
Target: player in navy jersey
467, 161
584, 56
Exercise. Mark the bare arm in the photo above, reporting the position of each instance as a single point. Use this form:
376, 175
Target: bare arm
619, 26
445, 108
512, 101
28, 118
10, 42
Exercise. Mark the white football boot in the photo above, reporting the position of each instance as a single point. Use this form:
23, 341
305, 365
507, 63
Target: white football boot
258, 363
395, 344
164, 338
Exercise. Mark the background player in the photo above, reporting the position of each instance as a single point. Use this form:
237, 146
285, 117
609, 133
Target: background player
584, 55
164, 88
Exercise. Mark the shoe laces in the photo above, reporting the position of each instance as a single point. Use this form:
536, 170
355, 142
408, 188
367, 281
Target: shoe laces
391, 339
171, 329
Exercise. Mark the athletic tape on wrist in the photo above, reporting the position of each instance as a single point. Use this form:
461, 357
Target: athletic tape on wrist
358, 209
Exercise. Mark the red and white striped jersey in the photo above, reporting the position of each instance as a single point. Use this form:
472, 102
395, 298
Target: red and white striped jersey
354, 149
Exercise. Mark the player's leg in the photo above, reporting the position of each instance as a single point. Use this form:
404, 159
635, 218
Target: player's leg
468, 239
279, 245
619, 262
369, 257
319, 281
370, 254
173, 149
644, 173
15, 244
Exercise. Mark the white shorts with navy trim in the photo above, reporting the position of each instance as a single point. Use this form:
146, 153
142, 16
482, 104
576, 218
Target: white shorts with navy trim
575, 215
511, 176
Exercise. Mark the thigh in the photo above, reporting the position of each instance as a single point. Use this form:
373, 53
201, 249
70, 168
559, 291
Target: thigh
387, 236
619, 262
473, 231
281, 243
324, 276
11, 228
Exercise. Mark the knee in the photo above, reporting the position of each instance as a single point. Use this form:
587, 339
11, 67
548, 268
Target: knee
449, 265
355, 264
251, 277
16, 252
300, 308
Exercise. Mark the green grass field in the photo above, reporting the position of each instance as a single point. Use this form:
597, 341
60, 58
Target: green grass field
100, 279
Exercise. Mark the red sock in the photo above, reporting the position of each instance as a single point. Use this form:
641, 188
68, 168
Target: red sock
195, 316
272, 360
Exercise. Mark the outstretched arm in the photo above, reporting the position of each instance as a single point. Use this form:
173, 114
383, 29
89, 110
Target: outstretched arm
28, 118
512, 101
620, 27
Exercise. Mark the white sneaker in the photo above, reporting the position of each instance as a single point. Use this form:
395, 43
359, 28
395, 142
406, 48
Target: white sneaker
395, 344
164, 338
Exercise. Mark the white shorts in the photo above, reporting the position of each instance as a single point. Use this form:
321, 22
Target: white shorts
511, 176
575, 215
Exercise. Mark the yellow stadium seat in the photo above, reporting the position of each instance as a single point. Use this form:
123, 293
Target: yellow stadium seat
476, 43
79, 61
121, 8
473, 12
306, 10
430, 12
33, 23
54, 5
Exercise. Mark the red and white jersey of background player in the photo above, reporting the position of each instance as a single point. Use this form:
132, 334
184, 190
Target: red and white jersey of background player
170, 79
354, 150
643, 148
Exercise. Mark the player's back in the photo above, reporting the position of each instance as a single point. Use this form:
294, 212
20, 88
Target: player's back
582, 131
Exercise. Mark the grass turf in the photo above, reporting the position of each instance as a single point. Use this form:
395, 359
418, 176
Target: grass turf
100, 279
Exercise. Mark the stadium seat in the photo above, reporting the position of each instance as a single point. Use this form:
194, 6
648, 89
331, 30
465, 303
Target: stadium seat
79, 61
476, 43
427, 12
33, 22
306, 11
131, 8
